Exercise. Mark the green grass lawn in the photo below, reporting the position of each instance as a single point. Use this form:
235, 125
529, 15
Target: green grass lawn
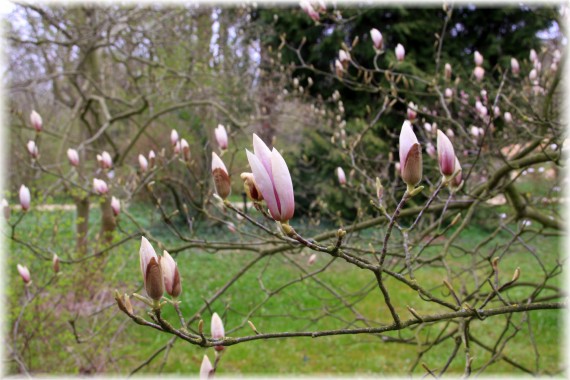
110, 342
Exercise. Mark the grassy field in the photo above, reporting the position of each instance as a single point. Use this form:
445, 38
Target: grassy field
108, 341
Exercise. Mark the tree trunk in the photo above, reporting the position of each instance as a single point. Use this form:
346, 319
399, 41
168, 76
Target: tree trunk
108, 222
82, 228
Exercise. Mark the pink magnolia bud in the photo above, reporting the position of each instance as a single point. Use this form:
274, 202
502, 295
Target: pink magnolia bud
410, 156
496, 111
533, 75
447, 71
206, 369
25, 198
36, 121
445, 154
217, 330
221, 177
177, 147
185, 149
221, 136
449, 133
24, 273
533, 56
151, 270
515, 68
478, 59
55, 263
339, 68
412, 111
377, 39
428, 127
341, 176
400, 52
6, 209
171, 276
115, 206
479, 73
448, 93
232, 227
151, 158
33, 149
484, 95
508, 117
273, 180
309, 10
143, 163
73, 157
100, 186
344, 57
173, 137
430, 150
312, 259
105, 160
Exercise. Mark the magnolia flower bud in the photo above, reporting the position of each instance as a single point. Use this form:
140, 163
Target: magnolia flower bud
309, 10
250, 187
32, 149
151, 158
25, 198
533, 56
222, 136
73, 157
412, 111
173, 137
143, 163
508, 118
312, 259
172, 284
445, 155
115, 206
457, 179
36, 121
479, 73
100, 186
410, 156
6, 209
400, 52
447, 71
496, 111
430, 150
377, 39
339, 68
533, 75
185, 149
151, 270
217, 330
344, 57
341, 176
206, 369
448, 93
24, 273
449, 133
515, 68
55, 263
478, 58
273, 179
221, 177
105, 160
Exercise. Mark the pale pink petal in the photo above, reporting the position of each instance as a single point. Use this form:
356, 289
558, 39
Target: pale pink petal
407, 140
283, 185
264, 184
263, 153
